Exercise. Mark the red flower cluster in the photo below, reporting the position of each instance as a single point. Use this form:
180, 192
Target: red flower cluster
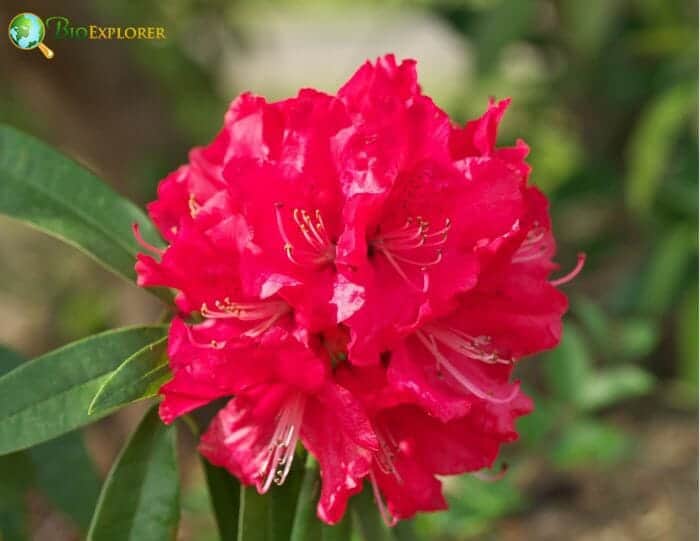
360, 275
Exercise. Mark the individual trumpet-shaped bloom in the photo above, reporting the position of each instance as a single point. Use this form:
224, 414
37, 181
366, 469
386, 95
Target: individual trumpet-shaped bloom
356, 275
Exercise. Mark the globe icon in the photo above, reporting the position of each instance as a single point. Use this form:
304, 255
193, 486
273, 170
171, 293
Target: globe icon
26, 31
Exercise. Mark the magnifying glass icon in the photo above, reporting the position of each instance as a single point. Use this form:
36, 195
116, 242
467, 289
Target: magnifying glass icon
27, 32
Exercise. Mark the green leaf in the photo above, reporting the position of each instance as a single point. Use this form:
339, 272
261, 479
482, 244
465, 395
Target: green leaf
669, 263
608, 387
50, 192
16, 472
139, 377
652, 143
367, 517
589, 443
253, 523
140, 497
285, 501
55, 459
595, 322
50, 395
306, 524
224, 491
687, 340
9, 360
568, 366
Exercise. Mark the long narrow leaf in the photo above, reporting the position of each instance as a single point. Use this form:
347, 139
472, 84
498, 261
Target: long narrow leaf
50, 395
48, 191
140, 498
139, 377
253, 524
306, 524
224, 491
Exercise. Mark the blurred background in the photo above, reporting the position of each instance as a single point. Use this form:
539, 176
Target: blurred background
606, 94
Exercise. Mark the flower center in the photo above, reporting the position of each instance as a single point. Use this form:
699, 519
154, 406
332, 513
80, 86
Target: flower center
267, 312
471, 348
316, 247
280, 452
412, 245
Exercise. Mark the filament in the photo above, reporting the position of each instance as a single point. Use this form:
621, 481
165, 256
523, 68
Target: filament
571, 274
280, 452
443, 362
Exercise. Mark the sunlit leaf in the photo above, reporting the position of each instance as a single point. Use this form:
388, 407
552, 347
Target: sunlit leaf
612, 385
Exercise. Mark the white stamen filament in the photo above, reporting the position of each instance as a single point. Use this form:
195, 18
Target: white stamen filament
387, 517
406, 245
280, 453
461, 342
267, 312
443, 362
532, 247
313, 230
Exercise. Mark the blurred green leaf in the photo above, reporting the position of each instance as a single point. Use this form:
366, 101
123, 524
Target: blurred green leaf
50, 395
535, 427
137, 378
475, 506
595, 322
664, 275
224, 491
305, 524
16, 474
46, 190
587, 24
651, 145
253, 524
9, 360
607, 387
140, 497
568, 366
687, 340
589, 443
635, 338
55, 459
367, 518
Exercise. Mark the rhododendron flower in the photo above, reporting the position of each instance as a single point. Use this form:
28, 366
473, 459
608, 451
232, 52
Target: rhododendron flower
358, 275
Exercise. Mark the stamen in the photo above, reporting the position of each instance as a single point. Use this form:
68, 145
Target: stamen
143, 243
267, 312
213, 344
280, 453
460, 342
314, 234
408, 244
532, 247
387, 517
431, 345
384, 456
572, 274
193, 205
